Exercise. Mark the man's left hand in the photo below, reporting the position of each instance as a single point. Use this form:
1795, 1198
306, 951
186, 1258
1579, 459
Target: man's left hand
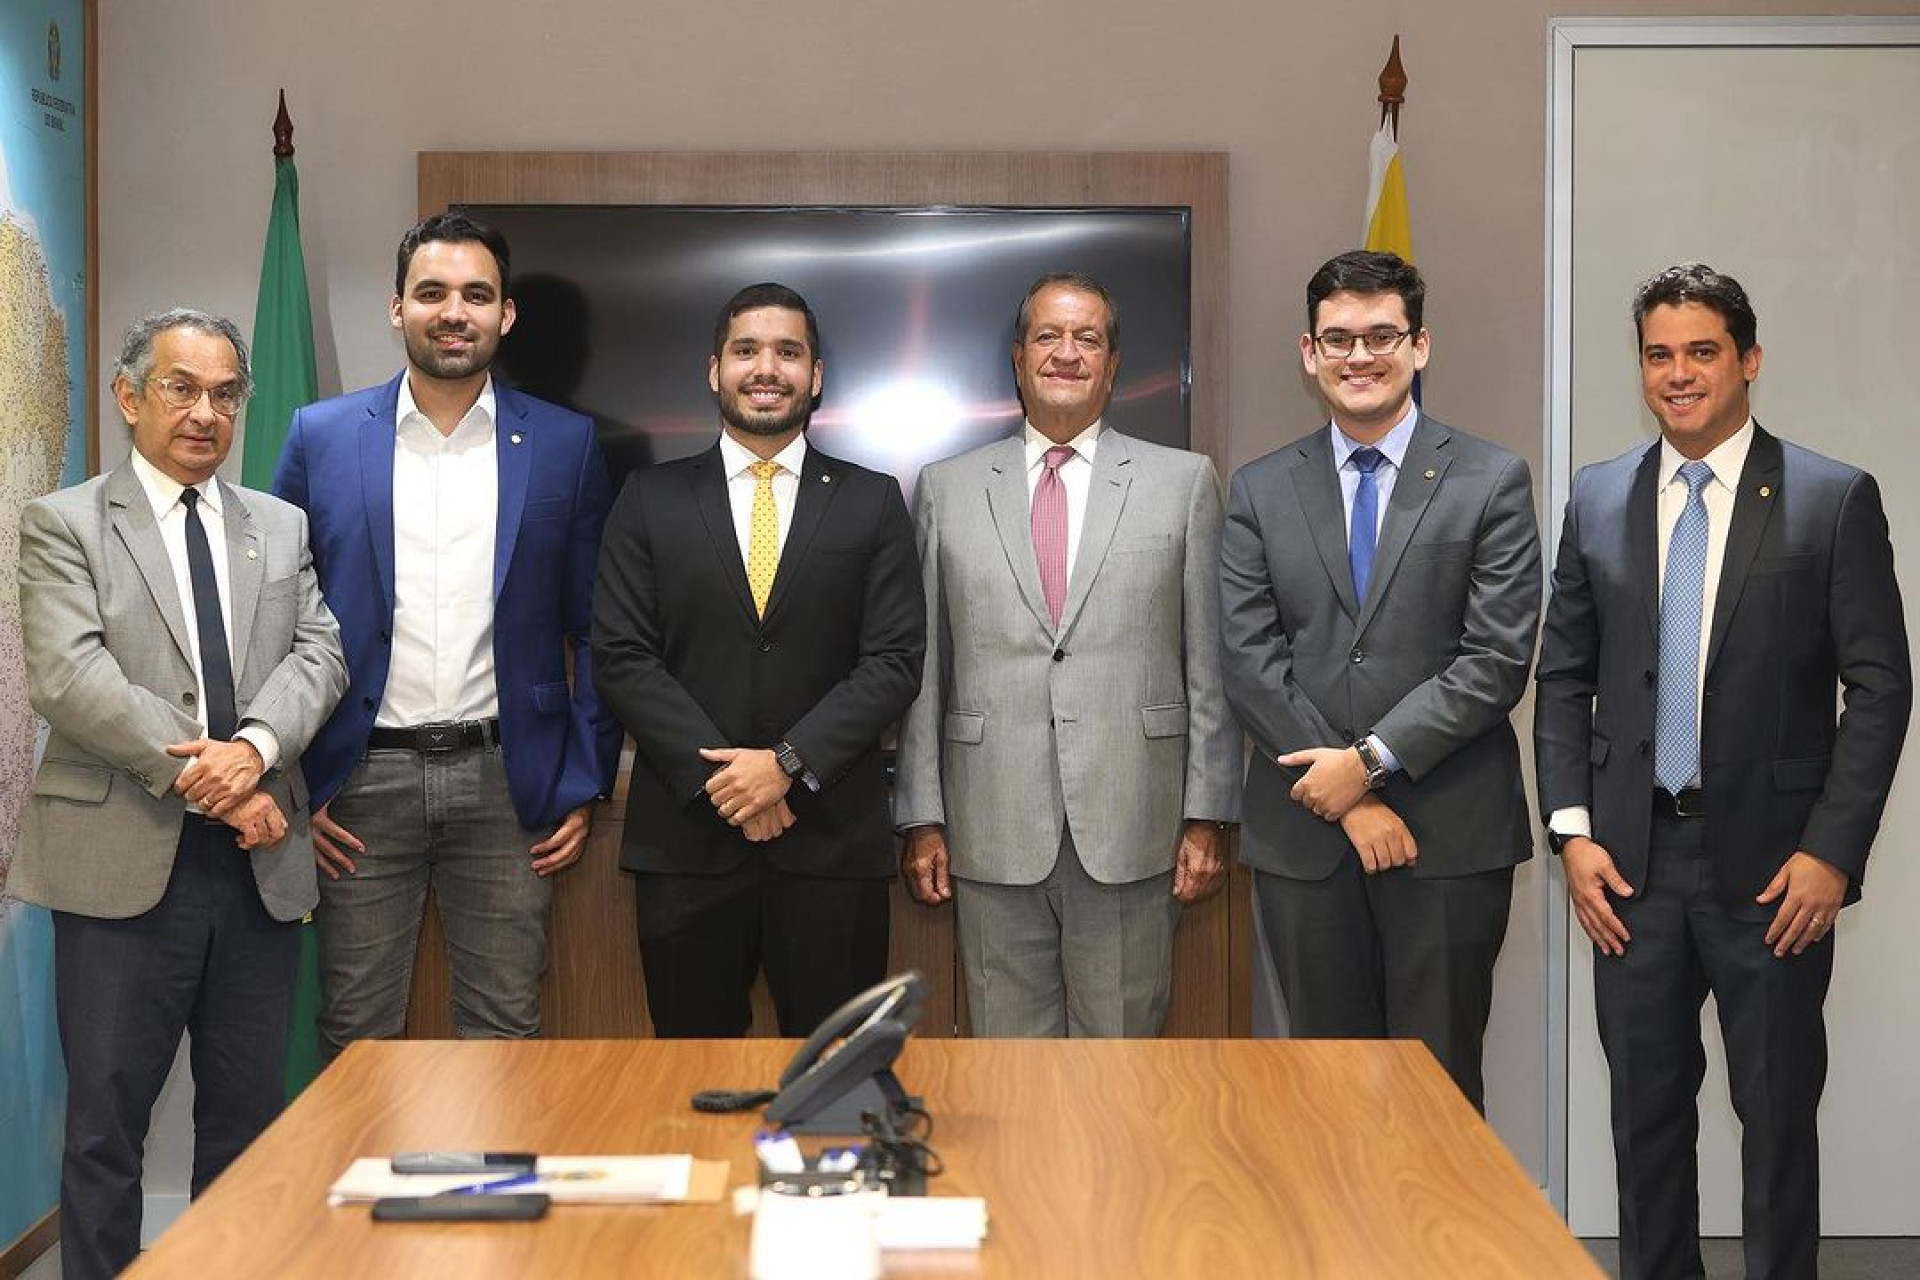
1199, 870
747, 781
568, 841
1333, 783
1810, 893
219, 775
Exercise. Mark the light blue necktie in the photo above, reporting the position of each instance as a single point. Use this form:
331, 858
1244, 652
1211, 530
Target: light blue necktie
1676, 719
1362, 526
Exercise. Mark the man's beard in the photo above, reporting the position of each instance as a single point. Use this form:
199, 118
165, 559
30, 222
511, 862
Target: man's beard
446, 365
746, 421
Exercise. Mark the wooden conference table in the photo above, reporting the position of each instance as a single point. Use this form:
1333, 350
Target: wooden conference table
1161, 1158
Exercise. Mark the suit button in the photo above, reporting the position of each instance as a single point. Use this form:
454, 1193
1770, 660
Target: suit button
188, 697
1641, 747
386, 638
1647, 675
368, 704
1357, 657
1059, 655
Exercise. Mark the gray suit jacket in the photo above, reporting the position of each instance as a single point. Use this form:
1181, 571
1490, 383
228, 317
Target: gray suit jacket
108, 665
1114, 722
1432, 664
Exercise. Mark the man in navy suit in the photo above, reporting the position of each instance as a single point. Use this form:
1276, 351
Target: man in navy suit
455, 526
1712, 593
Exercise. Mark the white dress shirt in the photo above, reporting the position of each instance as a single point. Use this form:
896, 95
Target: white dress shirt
736, 461
1076, 477
170, 514
445, 508
1393, 448
1728, 461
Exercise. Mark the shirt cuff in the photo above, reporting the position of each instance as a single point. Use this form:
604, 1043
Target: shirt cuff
263, 741
1575, 820
1385, 753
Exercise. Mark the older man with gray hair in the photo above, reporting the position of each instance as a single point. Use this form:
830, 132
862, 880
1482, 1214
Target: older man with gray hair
179, 649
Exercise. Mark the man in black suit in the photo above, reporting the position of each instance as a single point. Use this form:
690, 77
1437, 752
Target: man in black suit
758, 623
1711, 593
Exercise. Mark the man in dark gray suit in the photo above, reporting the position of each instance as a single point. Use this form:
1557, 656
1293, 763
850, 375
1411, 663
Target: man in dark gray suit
1069, 767
1712, 593
1380, 584
179, 649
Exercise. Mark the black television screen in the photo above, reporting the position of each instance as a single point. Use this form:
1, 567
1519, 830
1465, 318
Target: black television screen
617, 305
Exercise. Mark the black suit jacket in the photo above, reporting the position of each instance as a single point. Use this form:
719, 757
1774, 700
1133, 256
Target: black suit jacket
684, 663
1807, 602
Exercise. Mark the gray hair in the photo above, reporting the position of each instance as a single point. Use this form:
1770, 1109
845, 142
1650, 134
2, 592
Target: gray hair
136, 350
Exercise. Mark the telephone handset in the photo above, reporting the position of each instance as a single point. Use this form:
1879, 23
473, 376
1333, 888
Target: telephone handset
848, 1061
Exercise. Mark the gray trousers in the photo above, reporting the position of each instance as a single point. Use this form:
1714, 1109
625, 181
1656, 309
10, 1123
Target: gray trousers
442, 820
1069, 956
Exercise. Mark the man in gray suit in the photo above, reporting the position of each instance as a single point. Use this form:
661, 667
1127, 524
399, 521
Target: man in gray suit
1380, 584
1069, 769
179, 649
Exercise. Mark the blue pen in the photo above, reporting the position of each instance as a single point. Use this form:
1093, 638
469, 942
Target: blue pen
498, 1184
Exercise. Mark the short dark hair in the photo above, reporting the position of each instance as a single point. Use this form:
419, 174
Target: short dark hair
453, 227
765, 294
1697, 282
1368, 271
1078, 281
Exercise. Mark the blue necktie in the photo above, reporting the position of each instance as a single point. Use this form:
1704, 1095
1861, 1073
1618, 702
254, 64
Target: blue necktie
216, 667
1363, 525
1676, 714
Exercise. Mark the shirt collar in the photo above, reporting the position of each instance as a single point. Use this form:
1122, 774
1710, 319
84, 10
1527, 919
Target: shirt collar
478, 420
736, 457
1392, 446
1728, 459
163, 491
1083, 444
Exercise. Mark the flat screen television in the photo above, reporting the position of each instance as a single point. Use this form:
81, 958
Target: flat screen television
617, 304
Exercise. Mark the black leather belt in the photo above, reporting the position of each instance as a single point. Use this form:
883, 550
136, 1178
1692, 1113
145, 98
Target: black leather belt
1685, 804
448, 735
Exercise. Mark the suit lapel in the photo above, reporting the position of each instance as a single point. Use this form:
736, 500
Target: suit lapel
1753, 504
246, 569
513, 446
1106, 496
133, 524
1643, 536
1317, 488
1422, 469
1012, 517
377, 432
820, 482
710, 496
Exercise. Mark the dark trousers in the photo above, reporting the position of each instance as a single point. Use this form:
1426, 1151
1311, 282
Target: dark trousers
1390, 956
703, 940
208, 960
1687, 941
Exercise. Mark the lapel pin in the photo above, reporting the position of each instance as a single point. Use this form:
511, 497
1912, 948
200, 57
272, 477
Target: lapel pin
826, 479
1431, 474
1766, 491
515, 437
252, 554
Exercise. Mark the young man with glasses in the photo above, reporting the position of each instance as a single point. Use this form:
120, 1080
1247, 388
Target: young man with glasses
1380, 585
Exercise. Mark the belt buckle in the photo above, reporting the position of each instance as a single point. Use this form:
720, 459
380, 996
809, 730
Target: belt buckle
441, 736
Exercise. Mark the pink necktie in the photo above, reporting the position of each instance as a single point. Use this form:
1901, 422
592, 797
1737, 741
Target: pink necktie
1050, 530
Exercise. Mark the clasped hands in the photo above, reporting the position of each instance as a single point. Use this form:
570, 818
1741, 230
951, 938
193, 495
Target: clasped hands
223, 779
1334, 789
749, 790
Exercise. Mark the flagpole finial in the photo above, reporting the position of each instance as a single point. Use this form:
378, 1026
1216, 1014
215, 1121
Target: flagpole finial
1393, 88
283, 131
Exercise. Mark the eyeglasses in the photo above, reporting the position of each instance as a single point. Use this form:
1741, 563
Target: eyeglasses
178, 393
1378, 342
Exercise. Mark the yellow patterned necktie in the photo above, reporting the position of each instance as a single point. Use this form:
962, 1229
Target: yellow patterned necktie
763, 543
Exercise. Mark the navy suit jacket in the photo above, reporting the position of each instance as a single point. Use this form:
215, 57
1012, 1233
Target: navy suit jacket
560, 743
1807, 604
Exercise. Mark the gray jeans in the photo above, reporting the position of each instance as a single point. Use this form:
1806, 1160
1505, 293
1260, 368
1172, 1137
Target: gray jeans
442, 820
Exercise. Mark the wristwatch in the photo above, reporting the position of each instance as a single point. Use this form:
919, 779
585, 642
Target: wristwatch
793, 766
1376, 768
1557, 840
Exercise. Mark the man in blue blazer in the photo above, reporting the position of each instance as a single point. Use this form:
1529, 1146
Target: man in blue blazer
455, 526
1713, 592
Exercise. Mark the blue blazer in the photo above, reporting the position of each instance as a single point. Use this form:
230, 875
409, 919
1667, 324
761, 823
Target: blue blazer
560, 743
